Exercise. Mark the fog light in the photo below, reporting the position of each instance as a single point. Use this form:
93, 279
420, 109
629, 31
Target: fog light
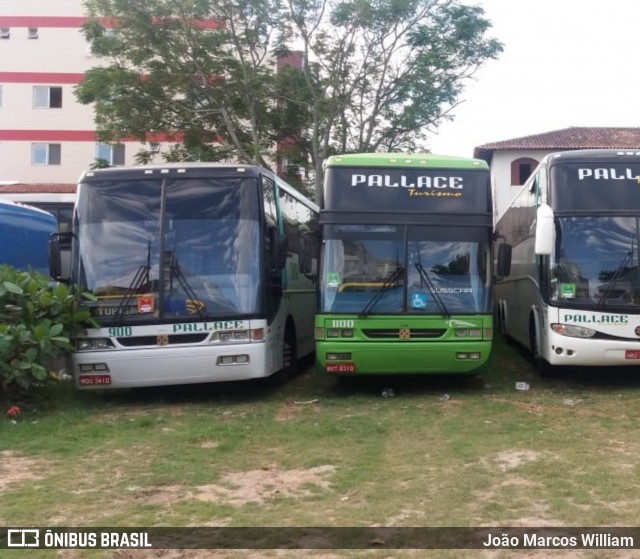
242, 359
475, 355
462, 356
100, 367
86, 368
226, 360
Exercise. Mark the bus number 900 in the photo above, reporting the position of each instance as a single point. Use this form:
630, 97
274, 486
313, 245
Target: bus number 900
120, 331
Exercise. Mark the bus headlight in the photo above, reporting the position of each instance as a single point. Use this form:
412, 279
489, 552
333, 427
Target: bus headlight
573, 331
255, 335
87, 344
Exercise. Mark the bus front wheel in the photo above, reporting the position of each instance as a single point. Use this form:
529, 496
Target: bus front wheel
544, 368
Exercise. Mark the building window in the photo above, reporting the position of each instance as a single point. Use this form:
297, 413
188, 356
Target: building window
45, 97
113, 154
45, 154
521, 170
5, 32
32, 32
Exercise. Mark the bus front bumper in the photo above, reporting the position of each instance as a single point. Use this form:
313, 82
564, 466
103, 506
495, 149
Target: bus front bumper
134, 368
391, 358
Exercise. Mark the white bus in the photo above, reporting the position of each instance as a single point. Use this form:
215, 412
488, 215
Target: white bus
568, 285
202, 273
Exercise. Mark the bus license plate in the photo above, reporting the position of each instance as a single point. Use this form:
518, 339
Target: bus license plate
340, 367
86, 380
632, 354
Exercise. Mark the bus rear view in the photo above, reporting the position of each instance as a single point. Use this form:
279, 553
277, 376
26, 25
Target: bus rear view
405, 284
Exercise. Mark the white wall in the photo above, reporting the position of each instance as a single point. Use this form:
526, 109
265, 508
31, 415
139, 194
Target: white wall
503, 190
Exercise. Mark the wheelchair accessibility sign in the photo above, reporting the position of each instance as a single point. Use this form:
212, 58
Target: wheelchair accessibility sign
418, 300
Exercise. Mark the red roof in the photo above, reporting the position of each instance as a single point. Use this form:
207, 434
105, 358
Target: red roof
53, 188
574, 137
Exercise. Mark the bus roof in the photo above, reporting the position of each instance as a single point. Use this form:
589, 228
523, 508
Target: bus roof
172, 169
9, 207
417, 160
585, 155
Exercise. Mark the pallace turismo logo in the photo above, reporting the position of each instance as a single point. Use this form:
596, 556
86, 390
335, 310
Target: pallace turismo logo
423, 181
602, 173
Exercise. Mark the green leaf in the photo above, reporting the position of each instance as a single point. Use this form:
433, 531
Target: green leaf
12, 287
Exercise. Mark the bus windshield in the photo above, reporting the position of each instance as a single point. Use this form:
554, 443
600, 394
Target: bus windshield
595, 264
392, 269
174, 249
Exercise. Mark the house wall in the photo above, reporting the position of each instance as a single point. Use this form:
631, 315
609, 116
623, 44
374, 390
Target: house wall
503, 188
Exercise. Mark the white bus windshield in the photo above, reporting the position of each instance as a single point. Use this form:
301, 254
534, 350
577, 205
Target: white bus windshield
595, 264
175, 248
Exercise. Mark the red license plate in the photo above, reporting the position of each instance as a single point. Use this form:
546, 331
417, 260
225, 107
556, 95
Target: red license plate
86, 380
340, 367
632, 354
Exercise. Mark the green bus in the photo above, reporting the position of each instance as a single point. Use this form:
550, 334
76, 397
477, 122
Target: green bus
406, 265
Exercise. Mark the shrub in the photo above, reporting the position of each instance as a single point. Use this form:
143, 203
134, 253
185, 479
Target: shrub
37, 318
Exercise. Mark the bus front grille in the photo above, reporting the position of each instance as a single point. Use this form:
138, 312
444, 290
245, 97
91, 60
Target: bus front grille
139, 341
394, 333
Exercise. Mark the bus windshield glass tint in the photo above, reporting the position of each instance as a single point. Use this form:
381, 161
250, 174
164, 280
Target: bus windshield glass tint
409, 274
595, 264
174, 248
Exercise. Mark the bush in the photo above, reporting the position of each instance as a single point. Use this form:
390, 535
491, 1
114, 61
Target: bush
37, 318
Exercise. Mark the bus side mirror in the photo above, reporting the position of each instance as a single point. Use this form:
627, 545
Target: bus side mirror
306, 260
545, 231
503, 267
279, 246
281, 256
59, 252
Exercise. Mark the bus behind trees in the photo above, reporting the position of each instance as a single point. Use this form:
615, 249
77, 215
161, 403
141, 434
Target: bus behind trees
405, 282
201, 273
24, 234
568, 285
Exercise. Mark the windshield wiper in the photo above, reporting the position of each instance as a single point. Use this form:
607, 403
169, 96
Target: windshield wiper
140, 278
436, 296
384, 287
175, 271
620, 270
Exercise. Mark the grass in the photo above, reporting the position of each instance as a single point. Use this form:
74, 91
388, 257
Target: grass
444, 451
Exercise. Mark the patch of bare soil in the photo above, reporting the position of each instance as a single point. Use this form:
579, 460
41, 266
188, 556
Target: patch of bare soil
292, 408
256, 486
15, 468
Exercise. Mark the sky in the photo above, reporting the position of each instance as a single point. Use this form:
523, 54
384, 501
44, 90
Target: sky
565, 63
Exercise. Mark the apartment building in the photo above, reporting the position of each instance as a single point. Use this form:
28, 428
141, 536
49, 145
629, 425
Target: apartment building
46, 136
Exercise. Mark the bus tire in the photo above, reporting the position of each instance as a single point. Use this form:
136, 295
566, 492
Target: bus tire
289, 352
289, 357
543, 367
502, 318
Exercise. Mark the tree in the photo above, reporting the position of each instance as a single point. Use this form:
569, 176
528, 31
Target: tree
377, 75
199, 70
383, 74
